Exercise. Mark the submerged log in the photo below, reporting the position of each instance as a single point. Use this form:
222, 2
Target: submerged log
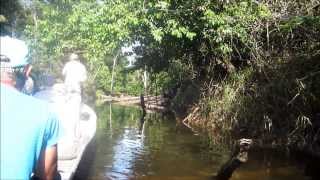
143, 105
238, 157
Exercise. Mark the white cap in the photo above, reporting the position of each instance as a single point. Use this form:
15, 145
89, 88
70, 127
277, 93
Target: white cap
14, 49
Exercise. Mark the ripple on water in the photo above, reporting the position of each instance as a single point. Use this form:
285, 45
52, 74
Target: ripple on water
164, 151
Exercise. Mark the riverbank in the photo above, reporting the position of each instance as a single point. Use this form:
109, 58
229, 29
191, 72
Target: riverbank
277, 106
153, 103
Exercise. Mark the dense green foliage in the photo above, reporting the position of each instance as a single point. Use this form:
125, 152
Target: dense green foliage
97, 31
225, 58
12, 17
275, 92
174, 36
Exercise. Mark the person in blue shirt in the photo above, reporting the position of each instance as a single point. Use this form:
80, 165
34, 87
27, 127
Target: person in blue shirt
29, 129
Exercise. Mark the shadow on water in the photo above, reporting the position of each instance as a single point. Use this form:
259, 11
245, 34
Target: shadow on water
270, 164
83, 171
129, 145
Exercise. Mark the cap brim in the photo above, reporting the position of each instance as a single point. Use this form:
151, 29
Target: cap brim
15, 49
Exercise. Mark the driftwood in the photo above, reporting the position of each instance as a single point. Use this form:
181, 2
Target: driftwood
192, 116
157, 103
238, 157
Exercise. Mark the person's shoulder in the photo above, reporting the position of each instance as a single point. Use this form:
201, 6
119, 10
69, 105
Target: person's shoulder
81, 65
44, 112
35, 101
16, 96
30, 108
69, 63
72, 64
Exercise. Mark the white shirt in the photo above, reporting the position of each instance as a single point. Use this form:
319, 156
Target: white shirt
28, 86
74, 73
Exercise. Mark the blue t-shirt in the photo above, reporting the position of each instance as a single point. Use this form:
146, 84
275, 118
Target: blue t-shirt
27, 127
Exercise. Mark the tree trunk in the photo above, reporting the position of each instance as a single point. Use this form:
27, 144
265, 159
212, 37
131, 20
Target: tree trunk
145, 80
113, 68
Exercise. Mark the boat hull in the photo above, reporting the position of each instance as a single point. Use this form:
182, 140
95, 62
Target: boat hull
70, 151
87, 129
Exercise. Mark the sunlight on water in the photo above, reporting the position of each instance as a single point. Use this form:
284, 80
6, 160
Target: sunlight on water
126, 147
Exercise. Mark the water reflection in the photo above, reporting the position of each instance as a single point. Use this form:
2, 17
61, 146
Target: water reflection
130, 146
125, 153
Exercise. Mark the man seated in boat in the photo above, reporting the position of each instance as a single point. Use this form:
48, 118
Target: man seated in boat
24, 81
28, 87
29, 129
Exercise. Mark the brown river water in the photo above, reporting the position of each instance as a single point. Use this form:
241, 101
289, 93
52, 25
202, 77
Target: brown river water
126, 147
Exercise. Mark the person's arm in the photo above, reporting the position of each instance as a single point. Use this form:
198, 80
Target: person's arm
27, 70
64, 70
47, 166
83, 73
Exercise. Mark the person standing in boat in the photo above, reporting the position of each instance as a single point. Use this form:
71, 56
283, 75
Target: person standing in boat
75, 74
29, 129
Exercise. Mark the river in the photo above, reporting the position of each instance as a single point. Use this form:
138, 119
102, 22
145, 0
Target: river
126, 147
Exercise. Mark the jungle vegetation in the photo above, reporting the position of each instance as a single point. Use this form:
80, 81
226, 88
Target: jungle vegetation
232, 67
